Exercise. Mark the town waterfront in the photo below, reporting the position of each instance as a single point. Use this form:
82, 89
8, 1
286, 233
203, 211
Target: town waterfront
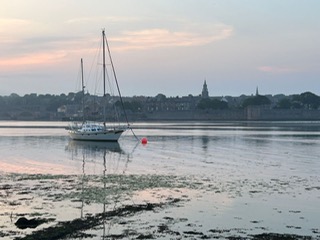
209, 179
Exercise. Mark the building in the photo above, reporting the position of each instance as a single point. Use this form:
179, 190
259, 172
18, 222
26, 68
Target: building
205, 92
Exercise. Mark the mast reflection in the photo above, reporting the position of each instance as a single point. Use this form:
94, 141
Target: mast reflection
110, 159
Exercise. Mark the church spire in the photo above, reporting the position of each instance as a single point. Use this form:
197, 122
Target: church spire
205, 92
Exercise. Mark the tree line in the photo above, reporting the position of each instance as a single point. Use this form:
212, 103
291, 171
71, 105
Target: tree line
45, 101
306, 100
48, 102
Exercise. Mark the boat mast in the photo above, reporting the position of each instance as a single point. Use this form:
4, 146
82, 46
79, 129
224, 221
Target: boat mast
82, 83
104, 63
104, 75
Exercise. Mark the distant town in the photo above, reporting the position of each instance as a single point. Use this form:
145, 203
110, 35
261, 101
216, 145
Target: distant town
78, 106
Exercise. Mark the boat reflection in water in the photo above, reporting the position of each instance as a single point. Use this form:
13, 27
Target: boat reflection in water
94, 146
110, 162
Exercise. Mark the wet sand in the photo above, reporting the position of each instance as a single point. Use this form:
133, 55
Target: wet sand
129, 207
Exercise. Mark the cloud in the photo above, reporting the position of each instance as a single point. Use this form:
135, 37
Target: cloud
40, 50
37, 45
37, 59
185, 33
277, 70
161, 37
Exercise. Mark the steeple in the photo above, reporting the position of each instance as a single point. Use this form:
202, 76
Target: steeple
205, 92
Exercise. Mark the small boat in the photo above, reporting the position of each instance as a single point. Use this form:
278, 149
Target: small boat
98, 131
94, 131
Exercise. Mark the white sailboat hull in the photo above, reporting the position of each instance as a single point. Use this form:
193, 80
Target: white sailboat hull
108, 135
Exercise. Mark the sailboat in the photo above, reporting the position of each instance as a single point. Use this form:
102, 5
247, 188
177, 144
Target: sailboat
98, 131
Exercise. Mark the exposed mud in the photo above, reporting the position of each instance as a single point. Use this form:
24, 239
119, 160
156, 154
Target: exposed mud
141, 207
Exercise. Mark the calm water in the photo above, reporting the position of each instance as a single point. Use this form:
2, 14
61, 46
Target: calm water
260, 176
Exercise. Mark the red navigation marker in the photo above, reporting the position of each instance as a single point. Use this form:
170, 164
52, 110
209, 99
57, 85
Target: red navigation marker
144, 140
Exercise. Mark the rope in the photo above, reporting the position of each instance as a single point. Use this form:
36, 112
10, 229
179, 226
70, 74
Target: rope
118, 88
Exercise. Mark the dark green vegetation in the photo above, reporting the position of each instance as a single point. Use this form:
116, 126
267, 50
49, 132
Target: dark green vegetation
208, 103
306, 100
256, 101
70, 106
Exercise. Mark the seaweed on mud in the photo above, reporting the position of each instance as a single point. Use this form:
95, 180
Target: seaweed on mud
263, 236
101, 189
145, 236
5, 187
163, 228
115, 185
63, 230
236, 238
193, 233
6, 234
25, 177
312, 188
279, 236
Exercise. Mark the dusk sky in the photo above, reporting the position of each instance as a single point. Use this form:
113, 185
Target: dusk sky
163, 46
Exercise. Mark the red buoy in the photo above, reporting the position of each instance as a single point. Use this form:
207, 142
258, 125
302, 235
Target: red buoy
144, 140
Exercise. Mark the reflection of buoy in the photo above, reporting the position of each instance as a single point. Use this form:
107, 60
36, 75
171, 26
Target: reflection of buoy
144, 140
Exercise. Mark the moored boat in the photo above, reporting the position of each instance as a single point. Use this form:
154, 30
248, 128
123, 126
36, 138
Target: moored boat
98, 131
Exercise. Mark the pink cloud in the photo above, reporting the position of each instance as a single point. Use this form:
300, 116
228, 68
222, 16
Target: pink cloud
155, 38
32, 59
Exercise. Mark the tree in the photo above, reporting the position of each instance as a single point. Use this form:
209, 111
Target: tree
257, 100
14, 100
161, 97
2, 101
284, 103
30, 99
307, 100
134, 106
207, 103
310, 100
78, 97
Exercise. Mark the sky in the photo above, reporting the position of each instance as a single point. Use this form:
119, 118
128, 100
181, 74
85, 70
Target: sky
162, 46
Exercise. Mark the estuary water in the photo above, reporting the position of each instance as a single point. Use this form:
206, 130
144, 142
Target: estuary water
233, 178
